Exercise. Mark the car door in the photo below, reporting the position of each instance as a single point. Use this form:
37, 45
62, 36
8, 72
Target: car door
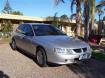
19, 36
27, 40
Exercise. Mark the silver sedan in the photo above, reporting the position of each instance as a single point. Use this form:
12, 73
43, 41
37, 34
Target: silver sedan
49, 44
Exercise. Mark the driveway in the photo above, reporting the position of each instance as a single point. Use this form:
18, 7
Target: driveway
14, 64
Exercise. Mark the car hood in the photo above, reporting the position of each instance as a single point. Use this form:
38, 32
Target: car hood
61, 41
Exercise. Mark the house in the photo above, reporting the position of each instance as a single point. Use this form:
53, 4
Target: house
17, 19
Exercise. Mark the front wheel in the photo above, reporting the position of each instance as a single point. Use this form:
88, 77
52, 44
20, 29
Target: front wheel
13, 45
41, 57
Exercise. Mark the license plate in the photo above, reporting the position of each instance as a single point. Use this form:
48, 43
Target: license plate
83, 56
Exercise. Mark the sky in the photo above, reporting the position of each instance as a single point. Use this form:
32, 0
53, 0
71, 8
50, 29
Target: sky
39, 8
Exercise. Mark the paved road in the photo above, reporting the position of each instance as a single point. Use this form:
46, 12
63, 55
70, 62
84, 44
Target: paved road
13, 64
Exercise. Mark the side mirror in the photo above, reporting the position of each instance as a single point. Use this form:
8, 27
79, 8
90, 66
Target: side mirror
22, 32
28, 33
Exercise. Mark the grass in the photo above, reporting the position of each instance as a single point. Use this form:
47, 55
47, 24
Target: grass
98, 55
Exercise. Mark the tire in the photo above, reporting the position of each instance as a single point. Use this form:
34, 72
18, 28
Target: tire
41, 57
13, 45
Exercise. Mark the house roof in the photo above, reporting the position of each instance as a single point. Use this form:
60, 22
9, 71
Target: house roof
20, 17
28, 18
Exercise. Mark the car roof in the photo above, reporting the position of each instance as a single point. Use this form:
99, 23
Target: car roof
36, 23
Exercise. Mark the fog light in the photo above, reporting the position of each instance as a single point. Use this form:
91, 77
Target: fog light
66, 60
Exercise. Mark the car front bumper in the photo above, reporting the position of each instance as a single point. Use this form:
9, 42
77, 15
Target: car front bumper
68, 59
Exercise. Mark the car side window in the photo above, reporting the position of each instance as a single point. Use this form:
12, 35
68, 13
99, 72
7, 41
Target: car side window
28, 30
20, 29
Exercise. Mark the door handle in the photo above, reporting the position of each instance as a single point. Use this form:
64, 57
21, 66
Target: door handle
22, 38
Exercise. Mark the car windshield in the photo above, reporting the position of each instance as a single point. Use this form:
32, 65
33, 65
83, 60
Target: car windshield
45, 30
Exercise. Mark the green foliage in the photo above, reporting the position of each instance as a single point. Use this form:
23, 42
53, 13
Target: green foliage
99, 11
55, 23
101, 4
88, 14
104, 18
17, 13
7, 8
64, 17
55, 20
6, 26
99, 55
58, 21
58, 1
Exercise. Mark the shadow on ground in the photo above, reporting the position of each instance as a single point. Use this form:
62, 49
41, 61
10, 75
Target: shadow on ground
93, 69
3, 75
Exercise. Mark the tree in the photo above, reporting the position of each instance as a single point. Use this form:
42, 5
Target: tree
86, 19
6, 27
55, 20
101, 4
7, 8
88, 14
77, 14
63, 18
17, 13
58, 1
100, 12
104, 18
7, 24
92, 13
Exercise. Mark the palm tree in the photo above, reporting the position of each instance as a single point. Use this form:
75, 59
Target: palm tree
88, 13
92, 12
99, 10
58, 1
101, 4
86, 19
55, 20
77, 14
104, 18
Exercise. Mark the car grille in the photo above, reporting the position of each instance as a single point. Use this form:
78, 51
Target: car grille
80, 50
84, 49
77, 50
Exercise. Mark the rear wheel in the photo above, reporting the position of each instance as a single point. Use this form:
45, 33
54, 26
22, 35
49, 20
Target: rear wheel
13, 45
41, 57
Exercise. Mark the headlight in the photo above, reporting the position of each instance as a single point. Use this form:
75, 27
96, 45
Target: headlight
63, 51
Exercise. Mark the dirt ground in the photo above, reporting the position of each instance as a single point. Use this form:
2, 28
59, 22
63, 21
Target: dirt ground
14, 64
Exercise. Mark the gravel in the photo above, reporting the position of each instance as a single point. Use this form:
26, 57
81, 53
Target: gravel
14, 64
